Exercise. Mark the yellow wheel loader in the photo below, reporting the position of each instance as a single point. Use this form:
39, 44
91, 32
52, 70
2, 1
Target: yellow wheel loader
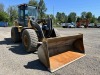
39, 35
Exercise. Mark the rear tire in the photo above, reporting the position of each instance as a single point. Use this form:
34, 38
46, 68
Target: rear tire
15, 35
30, 40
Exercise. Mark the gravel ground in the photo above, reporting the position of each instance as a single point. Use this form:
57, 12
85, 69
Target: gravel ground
14, 60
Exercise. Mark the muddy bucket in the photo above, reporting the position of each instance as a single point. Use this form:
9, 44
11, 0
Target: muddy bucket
58, 52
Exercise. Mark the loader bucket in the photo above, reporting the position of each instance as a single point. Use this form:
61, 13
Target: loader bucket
58, 52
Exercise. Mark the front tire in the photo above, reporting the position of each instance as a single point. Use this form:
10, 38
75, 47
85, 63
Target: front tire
30, 40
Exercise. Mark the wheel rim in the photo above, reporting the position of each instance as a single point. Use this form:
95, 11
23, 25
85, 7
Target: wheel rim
25, 41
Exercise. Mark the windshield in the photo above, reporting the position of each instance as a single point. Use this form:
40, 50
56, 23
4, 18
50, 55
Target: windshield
31, 11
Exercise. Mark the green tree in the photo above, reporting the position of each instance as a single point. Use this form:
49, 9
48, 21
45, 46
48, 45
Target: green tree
1, 7
98, 19
58, 17
53, 18
83, 15
89, 15
41, 5
72, 17
61, 17
78, 19
93, 20
69, 20
4, 17
12, 11
66, 18
42, 8
33, 3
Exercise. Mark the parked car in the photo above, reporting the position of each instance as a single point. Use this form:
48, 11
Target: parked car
67, 25
71, 25
64, 25
91, 25
82, 26
98, 25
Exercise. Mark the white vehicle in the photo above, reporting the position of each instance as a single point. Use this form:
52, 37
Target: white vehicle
71, 26
98, 26
67, 25
64, 25
91, 25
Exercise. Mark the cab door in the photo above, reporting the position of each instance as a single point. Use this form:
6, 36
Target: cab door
21, 14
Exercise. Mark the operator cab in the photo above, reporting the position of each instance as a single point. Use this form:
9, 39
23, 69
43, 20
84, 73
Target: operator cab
24, 11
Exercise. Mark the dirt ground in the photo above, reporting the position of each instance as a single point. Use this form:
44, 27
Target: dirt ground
14, 60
